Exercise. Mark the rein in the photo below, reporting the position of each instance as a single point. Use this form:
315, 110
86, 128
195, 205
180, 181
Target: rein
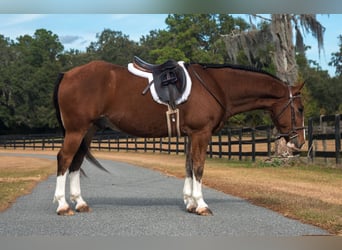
294, 129
208, 90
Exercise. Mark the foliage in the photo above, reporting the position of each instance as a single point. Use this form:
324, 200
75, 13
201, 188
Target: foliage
198, 36
113, 46
27, 79
271, 44
30, 64
336, 59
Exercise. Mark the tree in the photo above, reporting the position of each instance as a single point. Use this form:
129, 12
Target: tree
278, 32
114, 47
197, 36
27, 80
72, 58
7, 56
336, 58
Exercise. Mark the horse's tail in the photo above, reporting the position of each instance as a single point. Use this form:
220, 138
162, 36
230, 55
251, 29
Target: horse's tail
84, 148
55, 101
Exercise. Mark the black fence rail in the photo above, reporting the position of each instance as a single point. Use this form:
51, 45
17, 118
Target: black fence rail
229, 143
243, 142
324, 137
114, 141
323, 133
35, 142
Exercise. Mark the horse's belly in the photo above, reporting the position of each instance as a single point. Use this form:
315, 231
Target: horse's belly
141, 123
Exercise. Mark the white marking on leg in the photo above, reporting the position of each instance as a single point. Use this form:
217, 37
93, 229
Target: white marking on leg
187, 194
187, 190
197, 194
75, 189
60, 192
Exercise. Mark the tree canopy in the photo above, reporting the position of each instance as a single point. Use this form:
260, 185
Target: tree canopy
29, 65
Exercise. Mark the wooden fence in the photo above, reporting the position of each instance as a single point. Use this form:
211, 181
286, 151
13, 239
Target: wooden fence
240, 143
324, 137
323, 133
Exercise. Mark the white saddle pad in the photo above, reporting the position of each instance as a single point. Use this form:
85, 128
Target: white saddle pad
149, 76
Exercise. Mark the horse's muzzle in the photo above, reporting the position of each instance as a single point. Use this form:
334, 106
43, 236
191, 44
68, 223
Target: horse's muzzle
295, 144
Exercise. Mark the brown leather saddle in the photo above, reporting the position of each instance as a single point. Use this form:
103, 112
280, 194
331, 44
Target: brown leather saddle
169, 79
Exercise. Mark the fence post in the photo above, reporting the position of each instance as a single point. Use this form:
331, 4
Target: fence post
337, 138
240, 144
145, 145
253, 144
229, 144
177, 145
169, 145
310, 138
324, 131
220, 144
117, 143
268, 132
154, 145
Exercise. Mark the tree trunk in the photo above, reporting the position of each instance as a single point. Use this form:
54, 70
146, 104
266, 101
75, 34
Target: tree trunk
284, 56
285, 61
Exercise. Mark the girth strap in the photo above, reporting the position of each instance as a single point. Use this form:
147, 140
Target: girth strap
172, 117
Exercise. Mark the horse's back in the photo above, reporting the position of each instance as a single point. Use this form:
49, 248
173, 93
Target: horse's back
93, 70
83, 90
91, 78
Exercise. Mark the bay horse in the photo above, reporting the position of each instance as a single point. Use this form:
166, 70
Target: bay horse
100, 94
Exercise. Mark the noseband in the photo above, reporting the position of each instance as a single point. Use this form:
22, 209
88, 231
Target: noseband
293, 131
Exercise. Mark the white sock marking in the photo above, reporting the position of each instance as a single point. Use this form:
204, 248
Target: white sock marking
75, 189
60, 192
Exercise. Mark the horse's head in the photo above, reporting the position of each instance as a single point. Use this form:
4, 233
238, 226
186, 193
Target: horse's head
288, 116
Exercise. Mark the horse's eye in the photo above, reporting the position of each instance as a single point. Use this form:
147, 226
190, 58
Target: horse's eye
301, 110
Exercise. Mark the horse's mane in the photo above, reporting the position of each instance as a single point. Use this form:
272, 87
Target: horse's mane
239, 67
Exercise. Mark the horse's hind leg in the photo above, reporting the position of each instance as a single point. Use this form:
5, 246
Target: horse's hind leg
65, 158
75, 185
74, 173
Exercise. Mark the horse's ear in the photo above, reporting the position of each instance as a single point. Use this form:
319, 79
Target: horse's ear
298, 88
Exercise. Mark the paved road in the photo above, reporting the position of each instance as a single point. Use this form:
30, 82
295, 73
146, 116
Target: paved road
133, 201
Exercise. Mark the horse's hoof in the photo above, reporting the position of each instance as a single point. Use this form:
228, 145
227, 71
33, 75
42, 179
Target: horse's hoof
204, 211
191, 210
66, 212
83, 209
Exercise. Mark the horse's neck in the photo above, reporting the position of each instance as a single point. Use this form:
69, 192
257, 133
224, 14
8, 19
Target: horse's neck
256, 96
251, 91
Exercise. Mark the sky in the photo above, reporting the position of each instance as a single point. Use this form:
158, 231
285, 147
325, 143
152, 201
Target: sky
77, 31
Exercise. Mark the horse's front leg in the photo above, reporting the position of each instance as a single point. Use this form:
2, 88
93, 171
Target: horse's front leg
193, 181
189, 201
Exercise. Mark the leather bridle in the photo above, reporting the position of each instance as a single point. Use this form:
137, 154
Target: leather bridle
290, 103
